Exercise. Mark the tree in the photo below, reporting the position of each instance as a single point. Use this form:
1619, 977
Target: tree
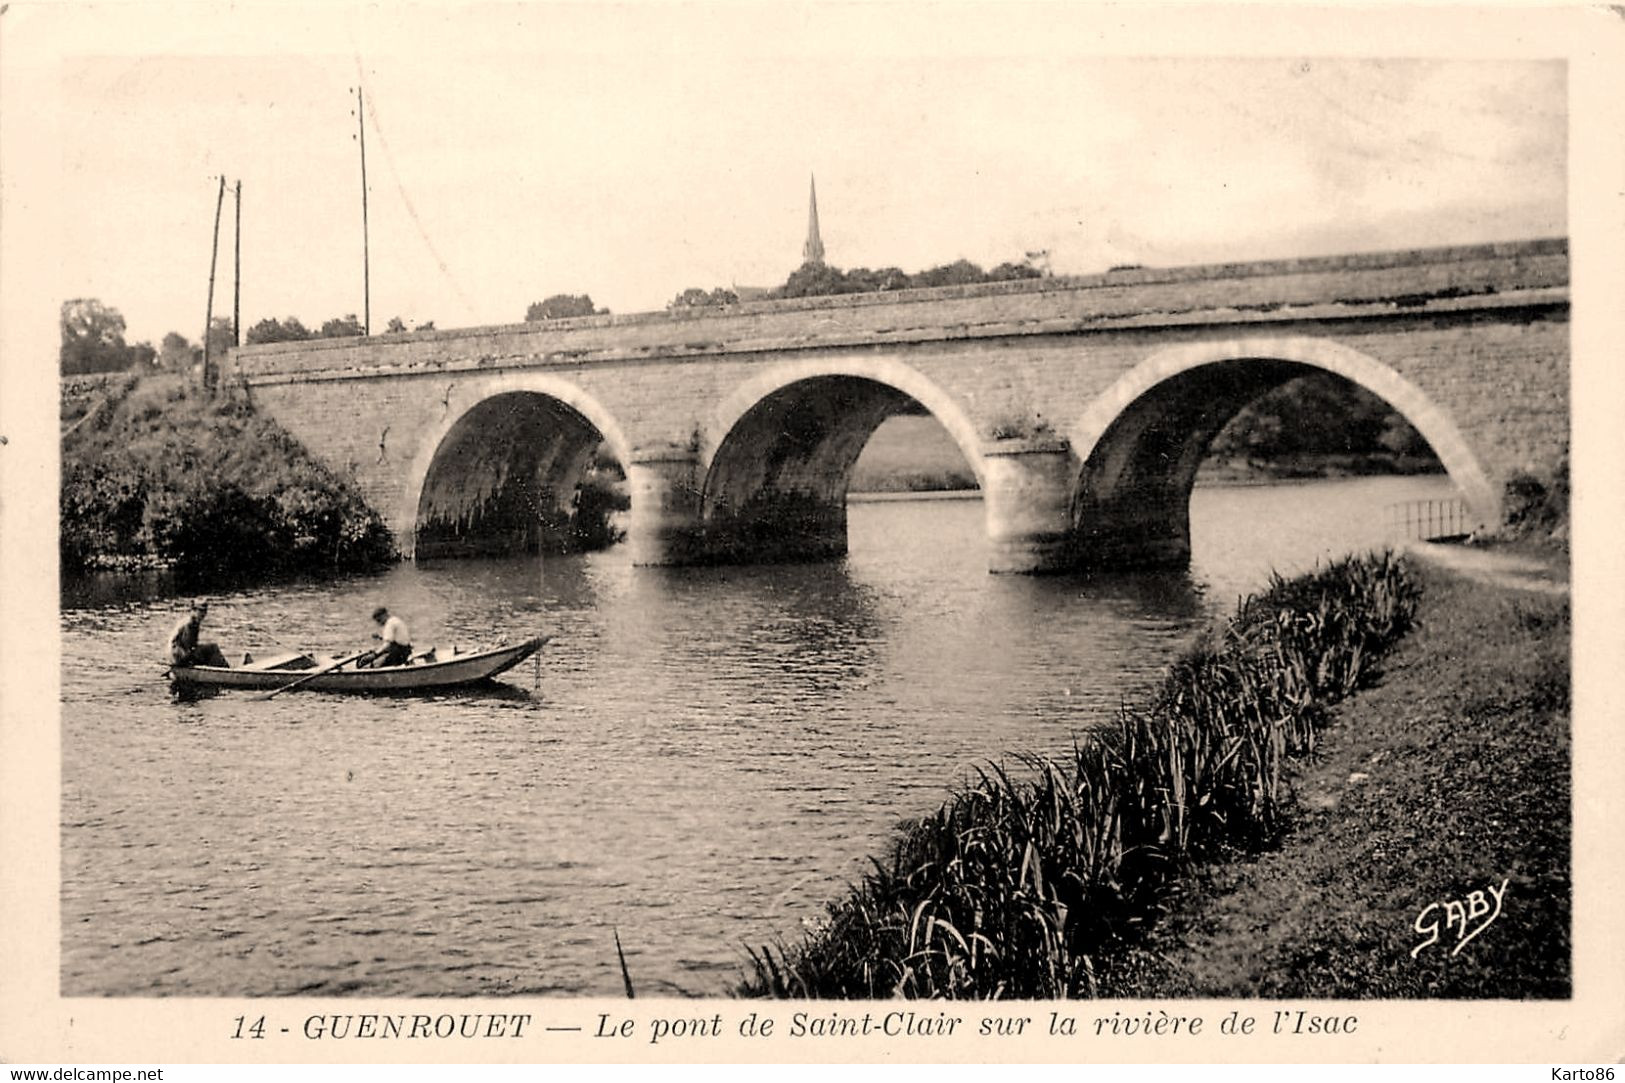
1318, 414
92, 338
221, 337
288, 330
694, 297
142, 356
961, 272
1399, 437
891, 278
348, 327
397, 325
562, 306
860, 280
176, 354
813, 280
1009, 272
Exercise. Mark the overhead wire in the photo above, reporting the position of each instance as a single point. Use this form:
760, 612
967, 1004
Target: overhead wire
411, 208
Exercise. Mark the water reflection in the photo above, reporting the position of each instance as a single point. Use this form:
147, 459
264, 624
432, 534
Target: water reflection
711, 753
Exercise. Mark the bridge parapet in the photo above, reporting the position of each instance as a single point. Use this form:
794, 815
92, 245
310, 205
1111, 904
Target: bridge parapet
1366, 285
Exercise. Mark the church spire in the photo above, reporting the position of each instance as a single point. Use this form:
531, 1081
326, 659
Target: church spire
813, 250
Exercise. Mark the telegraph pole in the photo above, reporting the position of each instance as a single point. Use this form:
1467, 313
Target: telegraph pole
214, 255
366, 265
237, 273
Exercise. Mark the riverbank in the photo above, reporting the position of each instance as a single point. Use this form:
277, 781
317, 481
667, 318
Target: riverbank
1028, 879
1449, 777
158, 473
1219, 470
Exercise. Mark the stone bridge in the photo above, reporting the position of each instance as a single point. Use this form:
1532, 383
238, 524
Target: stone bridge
1083, 405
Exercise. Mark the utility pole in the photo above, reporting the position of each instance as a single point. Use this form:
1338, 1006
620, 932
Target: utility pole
366, 264
237, 274
214, 255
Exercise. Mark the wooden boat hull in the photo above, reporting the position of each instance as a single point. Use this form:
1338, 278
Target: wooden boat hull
426, 677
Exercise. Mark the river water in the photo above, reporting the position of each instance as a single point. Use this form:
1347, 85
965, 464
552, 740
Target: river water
709, 754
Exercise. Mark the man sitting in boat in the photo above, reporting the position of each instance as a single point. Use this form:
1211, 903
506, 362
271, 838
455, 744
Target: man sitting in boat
184, 648
397, 648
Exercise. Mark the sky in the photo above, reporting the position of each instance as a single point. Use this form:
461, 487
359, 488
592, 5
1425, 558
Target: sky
632, 151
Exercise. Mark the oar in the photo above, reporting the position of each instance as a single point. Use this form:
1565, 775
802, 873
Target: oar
312, 676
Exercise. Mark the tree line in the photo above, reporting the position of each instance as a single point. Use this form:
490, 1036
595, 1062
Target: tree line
291, 329
819, 279
93, 339
93, 333
1320, 414
811, 279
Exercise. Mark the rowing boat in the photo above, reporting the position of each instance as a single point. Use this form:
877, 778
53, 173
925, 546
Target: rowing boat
426, 676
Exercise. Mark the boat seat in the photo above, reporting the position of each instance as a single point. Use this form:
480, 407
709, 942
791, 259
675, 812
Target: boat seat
291, 660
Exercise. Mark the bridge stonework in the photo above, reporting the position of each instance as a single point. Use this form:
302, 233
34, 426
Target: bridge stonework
1083, 405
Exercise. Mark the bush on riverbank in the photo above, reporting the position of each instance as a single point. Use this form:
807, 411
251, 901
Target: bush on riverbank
1537, 506
1016, 884
160, 472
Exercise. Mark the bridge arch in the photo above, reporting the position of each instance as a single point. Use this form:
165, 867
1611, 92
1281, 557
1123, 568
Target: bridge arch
1140, 442
503, 461
881, 370
777, 458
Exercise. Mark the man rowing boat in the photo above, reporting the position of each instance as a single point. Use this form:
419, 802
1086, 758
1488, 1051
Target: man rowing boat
397, 648
184, 648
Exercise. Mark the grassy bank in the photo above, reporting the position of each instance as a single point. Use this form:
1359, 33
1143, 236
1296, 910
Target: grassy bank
155, 472
1449, 777
909, 454
1025, 882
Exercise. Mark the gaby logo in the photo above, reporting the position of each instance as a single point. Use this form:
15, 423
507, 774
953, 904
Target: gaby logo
1467, 916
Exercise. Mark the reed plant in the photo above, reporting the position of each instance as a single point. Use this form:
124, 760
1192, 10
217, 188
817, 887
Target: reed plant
1022, 878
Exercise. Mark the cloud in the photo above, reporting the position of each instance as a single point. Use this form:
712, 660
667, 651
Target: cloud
631, 166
